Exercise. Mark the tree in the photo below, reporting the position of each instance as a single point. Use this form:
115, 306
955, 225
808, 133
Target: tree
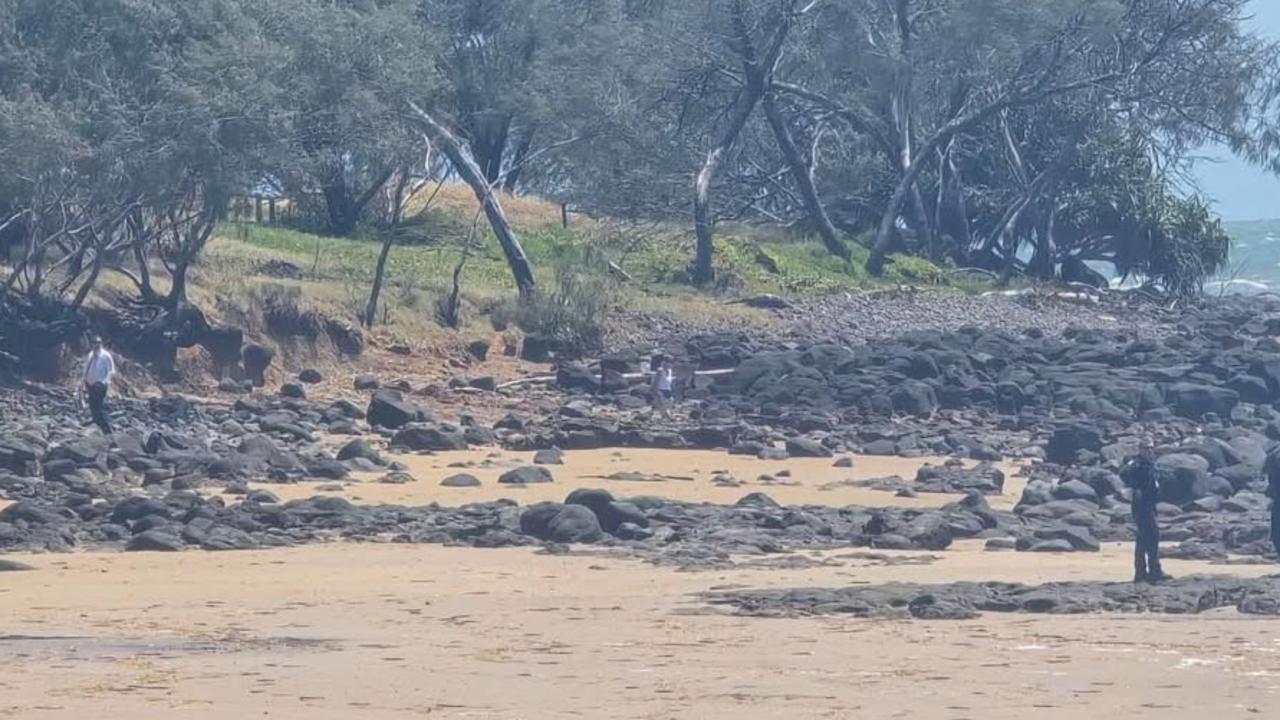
485, 193
133, 121
1145, 57
347, 67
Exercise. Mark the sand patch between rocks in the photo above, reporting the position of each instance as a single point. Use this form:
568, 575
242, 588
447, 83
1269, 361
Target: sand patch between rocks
688, 476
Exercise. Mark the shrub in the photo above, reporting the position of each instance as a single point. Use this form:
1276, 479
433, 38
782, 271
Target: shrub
573, 313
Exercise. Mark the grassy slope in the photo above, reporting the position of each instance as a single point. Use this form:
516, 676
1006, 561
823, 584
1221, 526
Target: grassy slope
655, 257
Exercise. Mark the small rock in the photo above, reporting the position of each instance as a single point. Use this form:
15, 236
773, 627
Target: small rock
155, 541
549, 456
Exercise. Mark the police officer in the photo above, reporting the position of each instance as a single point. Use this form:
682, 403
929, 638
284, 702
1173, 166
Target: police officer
1272, 468
1140, 475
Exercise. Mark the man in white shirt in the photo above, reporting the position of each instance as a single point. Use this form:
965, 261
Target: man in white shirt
99, 369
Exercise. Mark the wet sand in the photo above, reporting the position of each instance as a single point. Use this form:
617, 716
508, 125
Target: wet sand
685, 475
390, 631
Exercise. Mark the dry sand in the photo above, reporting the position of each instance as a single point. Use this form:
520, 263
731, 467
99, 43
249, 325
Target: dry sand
389, 631
688, 476
393, 631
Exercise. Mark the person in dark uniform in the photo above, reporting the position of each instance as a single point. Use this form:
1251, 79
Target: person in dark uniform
1140, 476
1272, 468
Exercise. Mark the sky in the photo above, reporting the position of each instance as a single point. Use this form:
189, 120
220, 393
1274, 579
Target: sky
1238, 190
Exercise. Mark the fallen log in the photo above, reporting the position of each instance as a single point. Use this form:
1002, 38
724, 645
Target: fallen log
548, 379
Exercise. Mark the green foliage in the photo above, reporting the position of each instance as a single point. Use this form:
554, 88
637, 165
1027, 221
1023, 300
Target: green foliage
573, 313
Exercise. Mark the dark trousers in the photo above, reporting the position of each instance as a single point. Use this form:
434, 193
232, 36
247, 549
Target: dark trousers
98, 406
1146, 550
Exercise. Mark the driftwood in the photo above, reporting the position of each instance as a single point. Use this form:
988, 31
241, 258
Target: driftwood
548, 379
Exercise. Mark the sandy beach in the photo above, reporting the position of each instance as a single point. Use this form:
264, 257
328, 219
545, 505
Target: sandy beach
686, 475
387, 631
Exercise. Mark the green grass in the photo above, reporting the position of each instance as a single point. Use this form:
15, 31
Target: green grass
658, 262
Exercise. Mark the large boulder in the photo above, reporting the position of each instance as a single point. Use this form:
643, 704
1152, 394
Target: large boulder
572, 376
930, 531
1075, 490
574, 524
155, 541
611, 513
1195, 401
535, 518
1079, 538
389, 409
914, 397
1183, 478
361, 449
1068, 440
527, 475
420, 437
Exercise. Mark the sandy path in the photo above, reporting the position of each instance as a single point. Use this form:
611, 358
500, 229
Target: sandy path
689, 474
388, 631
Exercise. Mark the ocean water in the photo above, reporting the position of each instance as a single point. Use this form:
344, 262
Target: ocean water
1254, 265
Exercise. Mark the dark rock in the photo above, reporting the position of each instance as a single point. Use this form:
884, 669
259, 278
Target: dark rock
527, 475
757, 499
1075, 490
155, 541
914, 398
478, 349
929, 532
310, 376
390, 409
773, 454
574, 524
1195, 401
535, 519
256, 359
360, 448
804, 447
460, 481
293, 390
1183, 477
1068, 440
1051, 546
420, 438
1077, 537
549, 456
572, 376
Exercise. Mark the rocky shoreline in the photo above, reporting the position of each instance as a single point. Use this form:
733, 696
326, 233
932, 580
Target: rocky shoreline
1070, 405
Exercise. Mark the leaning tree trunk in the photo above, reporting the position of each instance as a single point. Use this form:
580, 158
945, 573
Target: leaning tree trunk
702, 223
801, 172
388, 239
471, 174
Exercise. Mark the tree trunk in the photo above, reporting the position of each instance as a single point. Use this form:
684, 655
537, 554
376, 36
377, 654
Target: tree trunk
471, 174
512, 178
884, 235
344, 206
801, 172
340, 203
83, 293
388, 239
